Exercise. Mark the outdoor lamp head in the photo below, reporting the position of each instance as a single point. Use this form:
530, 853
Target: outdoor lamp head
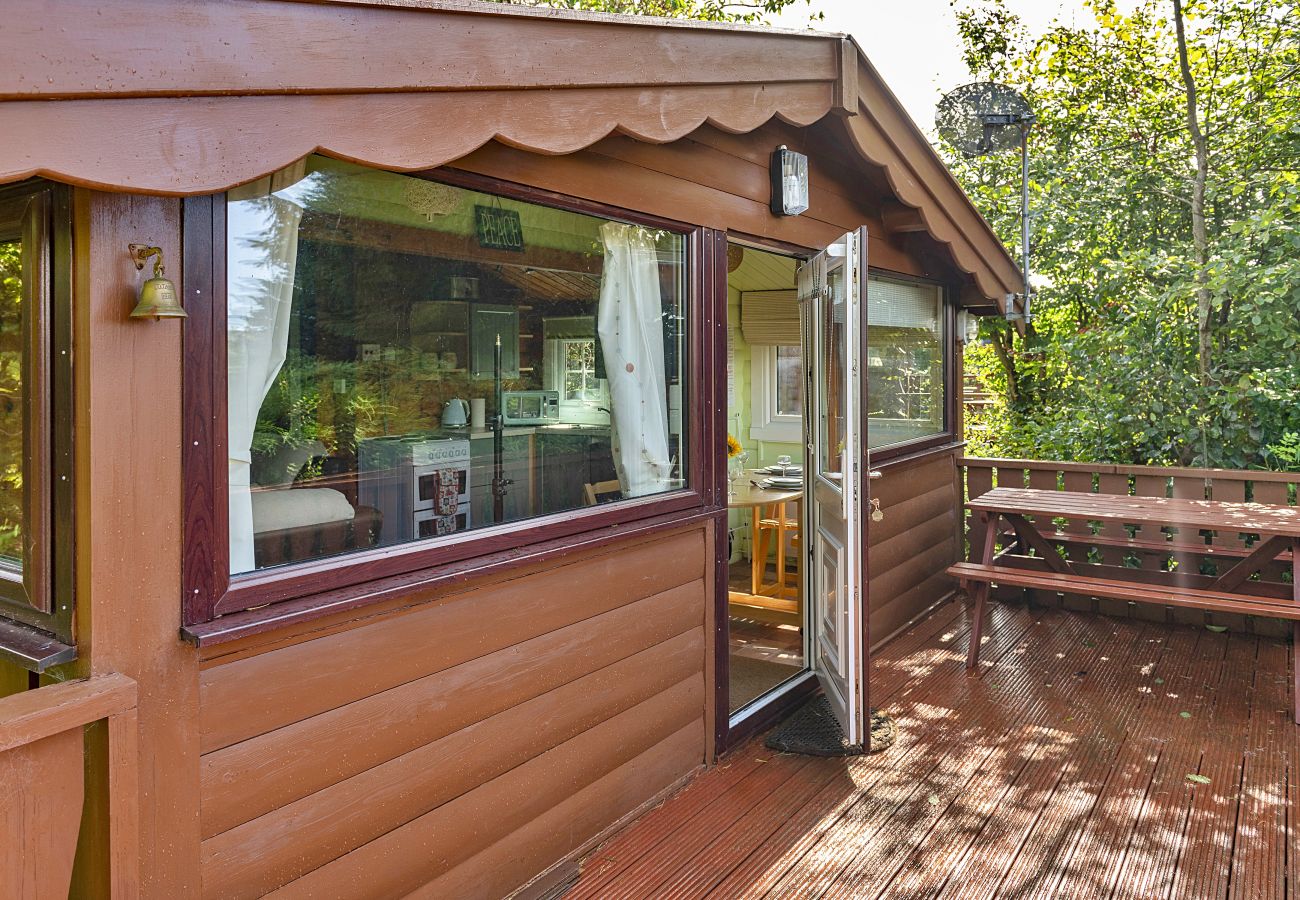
789, 182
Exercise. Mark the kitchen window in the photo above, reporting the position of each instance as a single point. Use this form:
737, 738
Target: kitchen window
35, 408
377, 323
574, 369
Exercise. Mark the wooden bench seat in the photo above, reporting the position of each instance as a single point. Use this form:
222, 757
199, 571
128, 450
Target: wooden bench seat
1038, 564
1161, 595
1193, 598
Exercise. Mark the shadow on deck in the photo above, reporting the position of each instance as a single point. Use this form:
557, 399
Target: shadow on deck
1062, 772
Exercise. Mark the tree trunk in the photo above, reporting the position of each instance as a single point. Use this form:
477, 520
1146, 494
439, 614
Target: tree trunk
1003, 353
1200, 236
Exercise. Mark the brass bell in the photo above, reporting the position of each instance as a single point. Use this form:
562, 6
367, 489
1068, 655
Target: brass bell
158, 297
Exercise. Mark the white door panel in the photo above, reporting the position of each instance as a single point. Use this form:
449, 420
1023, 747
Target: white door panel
832, 290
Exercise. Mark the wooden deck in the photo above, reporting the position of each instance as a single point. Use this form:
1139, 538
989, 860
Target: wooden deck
1062, 772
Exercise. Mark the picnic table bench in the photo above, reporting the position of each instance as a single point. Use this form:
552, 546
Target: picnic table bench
1030, 514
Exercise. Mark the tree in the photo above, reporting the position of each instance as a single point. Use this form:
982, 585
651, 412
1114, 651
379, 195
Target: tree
1166, 190
751, 11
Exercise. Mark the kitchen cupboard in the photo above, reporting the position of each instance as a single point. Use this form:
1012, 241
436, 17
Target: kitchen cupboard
518, 456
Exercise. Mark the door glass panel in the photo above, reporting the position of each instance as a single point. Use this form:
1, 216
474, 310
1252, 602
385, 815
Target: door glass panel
830, 374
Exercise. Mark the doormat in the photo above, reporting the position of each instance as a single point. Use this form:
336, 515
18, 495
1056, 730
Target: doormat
814, 731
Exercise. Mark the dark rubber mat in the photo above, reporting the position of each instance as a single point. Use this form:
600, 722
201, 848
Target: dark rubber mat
814, 731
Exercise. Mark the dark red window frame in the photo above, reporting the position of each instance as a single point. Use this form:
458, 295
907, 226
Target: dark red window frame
209, 591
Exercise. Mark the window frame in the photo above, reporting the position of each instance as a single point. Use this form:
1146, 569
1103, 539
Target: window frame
210, 591
767, 424
947, 347
41, 597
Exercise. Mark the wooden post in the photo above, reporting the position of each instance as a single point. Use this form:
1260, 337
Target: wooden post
987, 525
1295, 630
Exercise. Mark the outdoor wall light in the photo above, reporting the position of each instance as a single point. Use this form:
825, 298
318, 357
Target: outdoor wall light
158, 298
789, 182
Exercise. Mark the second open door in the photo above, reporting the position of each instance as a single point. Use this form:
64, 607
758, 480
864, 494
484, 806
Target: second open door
832, 297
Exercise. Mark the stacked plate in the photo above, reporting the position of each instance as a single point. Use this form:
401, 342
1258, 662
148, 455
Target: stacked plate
782, 482
783, 471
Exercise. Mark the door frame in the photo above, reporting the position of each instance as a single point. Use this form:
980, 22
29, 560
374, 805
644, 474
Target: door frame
731, 731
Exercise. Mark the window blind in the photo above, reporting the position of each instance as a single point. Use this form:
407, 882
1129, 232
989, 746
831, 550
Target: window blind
770, 317
903, 304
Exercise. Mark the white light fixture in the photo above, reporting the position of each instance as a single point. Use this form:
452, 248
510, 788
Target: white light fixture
789, 182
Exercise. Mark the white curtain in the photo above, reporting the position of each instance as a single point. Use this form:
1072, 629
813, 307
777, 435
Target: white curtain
262, 252
631, 328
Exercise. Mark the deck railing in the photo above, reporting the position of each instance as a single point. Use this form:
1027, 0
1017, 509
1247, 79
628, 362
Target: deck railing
42, 785
1146, 547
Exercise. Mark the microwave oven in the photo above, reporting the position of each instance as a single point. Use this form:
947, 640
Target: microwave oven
530, 407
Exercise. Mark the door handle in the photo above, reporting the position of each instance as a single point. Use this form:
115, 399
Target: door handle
875, 473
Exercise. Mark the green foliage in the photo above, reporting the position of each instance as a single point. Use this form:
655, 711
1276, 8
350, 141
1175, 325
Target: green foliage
11, 399
1109, 369
706, 10
1284, 456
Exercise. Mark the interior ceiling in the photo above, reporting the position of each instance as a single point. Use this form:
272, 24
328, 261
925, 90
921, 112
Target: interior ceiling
546, 284
760, 270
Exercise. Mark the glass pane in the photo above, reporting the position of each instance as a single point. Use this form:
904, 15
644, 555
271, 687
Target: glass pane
11, 400
831, 375
789, 381
905, 384
365, 313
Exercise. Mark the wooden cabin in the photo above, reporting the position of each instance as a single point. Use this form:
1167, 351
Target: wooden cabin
411, 561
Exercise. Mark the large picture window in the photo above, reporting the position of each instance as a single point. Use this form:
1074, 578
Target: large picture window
378, 324
35, 385
905, 365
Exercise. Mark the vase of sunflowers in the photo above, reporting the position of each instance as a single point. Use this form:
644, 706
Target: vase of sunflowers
736, 457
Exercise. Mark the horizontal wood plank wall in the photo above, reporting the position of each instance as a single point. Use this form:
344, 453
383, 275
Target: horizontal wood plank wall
712, 179
449, 743
915, 542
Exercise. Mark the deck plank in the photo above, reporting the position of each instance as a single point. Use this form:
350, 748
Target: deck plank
1060, 771
1259, 845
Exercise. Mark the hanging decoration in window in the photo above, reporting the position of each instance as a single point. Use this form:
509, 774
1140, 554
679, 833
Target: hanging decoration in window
429, 198
498, 229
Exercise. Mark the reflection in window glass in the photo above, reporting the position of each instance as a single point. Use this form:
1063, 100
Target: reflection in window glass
12, 426
373, 321
789, 381
905, 381
831, 371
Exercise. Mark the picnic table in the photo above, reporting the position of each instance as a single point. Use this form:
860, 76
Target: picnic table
1030, 514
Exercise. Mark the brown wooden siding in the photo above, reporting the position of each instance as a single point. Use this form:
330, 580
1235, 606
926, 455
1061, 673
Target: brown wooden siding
451, 740
916, 540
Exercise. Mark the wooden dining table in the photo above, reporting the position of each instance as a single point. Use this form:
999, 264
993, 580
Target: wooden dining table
766, 503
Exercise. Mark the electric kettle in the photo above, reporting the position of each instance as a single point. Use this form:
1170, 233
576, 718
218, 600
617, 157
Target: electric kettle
455, 414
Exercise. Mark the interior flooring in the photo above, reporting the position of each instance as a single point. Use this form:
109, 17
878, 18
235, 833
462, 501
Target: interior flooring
1093, 757
763, 654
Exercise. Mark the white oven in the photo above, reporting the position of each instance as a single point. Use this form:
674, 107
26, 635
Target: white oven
400, 476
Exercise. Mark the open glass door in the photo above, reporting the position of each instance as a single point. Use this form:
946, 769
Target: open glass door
832, 292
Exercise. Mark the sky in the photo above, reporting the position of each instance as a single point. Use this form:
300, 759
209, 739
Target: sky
914, 43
